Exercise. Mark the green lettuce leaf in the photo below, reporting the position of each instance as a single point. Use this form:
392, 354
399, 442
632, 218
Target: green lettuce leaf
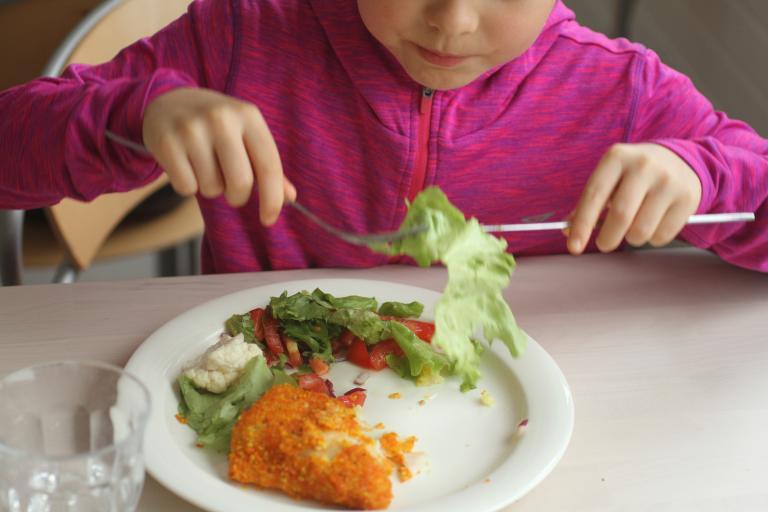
211, 415
317, 305
401, 309
237, 324
479, 268
421, 362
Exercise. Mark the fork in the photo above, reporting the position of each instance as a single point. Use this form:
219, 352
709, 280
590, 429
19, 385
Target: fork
359, 239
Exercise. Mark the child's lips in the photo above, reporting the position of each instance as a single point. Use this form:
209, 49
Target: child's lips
445, 60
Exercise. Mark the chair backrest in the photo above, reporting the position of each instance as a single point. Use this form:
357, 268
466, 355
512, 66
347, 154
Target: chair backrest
82, 228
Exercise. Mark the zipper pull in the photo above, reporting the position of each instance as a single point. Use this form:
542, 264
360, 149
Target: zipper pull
426, 97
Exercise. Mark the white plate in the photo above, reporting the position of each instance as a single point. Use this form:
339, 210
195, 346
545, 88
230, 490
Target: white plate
477, 462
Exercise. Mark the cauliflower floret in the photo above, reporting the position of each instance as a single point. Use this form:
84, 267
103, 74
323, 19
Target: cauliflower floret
222, 363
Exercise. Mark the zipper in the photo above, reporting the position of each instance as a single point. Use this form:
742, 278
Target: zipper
422, 152
422, 142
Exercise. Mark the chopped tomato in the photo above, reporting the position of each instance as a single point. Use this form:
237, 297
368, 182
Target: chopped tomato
381, 350
358, 354
319, 366
347, 337
424, 330
272, 334
312, 382
292, 347
258, 325
353, 397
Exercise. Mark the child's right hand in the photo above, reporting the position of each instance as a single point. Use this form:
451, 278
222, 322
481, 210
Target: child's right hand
216, 144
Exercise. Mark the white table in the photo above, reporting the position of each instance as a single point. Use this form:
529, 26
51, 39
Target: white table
666, 353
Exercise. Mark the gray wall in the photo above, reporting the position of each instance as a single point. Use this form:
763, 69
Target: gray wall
720, 44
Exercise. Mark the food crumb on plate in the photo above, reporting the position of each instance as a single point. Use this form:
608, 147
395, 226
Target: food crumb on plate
395, 396
396, 450
521, 427
486, 398
422, 402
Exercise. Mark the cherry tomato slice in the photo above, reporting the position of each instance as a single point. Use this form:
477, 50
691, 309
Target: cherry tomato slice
347, 337
272, 334
353, 397
424, 330
312, 382
257, 316
358, 354
381, 350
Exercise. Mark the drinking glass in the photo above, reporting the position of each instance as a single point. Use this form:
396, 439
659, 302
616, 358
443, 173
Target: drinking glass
71, 438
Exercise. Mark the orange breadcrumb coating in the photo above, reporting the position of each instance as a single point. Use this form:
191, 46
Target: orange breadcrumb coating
311, 446
396, 450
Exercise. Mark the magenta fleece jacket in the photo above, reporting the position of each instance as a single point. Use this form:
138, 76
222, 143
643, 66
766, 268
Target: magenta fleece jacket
358, 137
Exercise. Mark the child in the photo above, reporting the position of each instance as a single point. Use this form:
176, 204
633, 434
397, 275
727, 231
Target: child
513, 109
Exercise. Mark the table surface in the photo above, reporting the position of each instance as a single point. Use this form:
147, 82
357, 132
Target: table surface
666, 353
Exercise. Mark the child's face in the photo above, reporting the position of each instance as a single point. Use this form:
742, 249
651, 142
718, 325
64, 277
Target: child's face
444, 44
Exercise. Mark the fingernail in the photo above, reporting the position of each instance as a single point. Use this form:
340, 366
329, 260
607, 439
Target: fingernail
577, 244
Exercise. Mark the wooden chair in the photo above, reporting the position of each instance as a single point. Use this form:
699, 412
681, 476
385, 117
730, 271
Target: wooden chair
77, 233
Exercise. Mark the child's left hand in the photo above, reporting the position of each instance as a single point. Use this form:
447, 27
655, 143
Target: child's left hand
649, 193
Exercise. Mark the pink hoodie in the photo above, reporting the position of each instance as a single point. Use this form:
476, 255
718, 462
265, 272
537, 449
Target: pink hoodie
357, 136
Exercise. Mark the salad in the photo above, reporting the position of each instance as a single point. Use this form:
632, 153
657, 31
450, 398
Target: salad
294, 340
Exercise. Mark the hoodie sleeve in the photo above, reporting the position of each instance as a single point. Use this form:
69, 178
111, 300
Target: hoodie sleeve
52, 129
730, 159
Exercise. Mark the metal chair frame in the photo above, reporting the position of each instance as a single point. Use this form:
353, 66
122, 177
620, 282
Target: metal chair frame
12, 221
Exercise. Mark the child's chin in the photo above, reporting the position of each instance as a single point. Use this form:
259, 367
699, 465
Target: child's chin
443, 80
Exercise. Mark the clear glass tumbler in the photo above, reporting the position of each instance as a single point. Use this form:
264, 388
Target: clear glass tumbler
71, 438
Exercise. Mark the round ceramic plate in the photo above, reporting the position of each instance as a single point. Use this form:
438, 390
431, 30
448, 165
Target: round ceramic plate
478, 460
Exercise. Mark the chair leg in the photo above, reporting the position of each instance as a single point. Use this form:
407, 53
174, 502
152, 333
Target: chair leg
194, 256
168, 262
11, 238
66, 273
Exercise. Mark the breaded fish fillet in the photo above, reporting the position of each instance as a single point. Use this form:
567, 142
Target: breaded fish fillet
309, 446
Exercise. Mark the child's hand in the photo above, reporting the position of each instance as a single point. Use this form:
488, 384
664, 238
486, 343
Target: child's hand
216, 144
648, 191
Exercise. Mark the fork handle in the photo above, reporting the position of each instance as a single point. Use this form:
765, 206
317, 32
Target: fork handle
703, 218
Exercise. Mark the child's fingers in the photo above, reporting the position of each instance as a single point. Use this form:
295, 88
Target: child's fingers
596, 193
235, 166
203, 159
648, 218
671, 224
289, 190
265, 160
171, 156
625, 202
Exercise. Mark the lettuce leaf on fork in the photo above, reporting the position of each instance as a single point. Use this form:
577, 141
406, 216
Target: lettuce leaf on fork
479, 268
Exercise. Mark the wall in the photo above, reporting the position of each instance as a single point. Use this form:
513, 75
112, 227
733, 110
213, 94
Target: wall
720, 44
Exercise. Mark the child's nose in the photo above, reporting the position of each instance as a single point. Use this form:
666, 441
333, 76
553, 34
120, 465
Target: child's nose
452, 17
